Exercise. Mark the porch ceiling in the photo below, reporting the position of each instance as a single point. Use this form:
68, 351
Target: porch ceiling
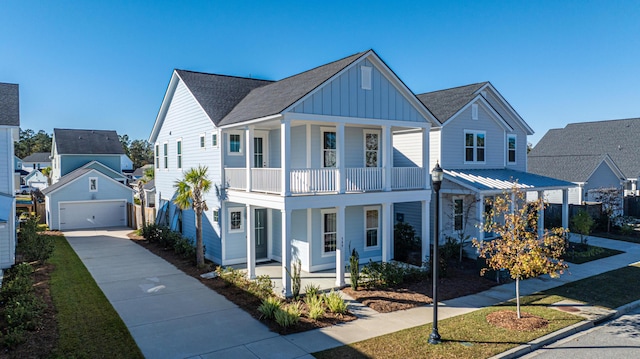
498, 180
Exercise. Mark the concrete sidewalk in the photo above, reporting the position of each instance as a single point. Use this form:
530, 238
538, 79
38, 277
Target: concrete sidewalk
172, 315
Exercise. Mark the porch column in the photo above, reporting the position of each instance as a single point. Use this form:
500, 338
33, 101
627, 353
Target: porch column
286, 252
426, 224
251, 244
481, 215
285, 154
425, 159
387, 232
387, 158
565, 208
340, 224
340, 163
248, 156
541, 214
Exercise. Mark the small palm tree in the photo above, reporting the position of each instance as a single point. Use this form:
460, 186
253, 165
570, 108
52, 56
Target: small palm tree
190, 194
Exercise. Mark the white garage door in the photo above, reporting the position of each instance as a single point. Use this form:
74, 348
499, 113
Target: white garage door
94, 214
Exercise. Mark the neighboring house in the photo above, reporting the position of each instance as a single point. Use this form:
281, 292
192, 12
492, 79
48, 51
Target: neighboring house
481, 144
18, 172
139, 172
149, 189
36, 161
37, 180
126, 165
593, 155
9, 132
303, 167
88, 188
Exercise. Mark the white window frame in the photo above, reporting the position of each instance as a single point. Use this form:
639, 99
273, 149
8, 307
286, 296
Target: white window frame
93, 181
454, 214
214, 139
203, 141
242, 219
324, 130
165, 154
323, 212
241, 148
179, 151
475, 146
515, 149
366, 74
157, 156
474, 111
364, 146
216, 216
366, 228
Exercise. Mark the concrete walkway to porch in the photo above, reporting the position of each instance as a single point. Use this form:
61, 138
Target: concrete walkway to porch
172, 315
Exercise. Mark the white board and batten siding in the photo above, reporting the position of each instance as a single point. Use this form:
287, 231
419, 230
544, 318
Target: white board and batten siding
344, 96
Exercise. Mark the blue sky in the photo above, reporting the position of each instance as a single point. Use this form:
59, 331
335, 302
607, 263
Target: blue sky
106, 64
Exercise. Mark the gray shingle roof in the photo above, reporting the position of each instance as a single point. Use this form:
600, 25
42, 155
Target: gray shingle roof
38, 157
218, 94
69, 177
9, 105
445, 103
581, 145
87, 142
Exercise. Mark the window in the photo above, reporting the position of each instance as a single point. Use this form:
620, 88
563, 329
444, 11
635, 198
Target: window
165, 155
328, 148
329, 231
365, 71
216, 216
236, 223
93, 184
511, 148
458, 213
179, 153
214, 139
474, 111
235, 144
157, 156
202, 141
372, 226
371, 148
474, 146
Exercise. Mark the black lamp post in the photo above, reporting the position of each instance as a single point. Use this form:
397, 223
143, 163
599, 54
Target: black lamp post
436, 178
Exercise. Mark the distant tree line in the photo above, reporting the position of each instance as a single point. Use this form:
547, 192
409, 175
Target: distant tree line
140, 151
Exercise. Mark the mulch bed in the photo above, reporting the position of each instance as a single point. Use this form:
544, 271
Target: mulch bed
239, 297
461, 280
508, 319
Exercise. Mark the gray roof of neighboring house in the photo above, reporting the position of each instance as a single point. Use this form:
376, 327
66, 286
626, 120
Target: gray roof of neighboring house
87, 142
445, 103
149, 185
139, 172
38, 157
9, 105
581, 145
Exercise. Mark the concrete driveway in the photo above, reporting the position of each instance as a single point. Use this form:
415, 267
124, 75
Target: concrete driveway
170, 314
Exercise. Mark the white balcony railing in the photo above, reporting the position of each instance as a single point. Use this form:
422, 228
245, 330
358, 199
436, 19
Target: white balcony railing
313, 180
266, 180
364, 179
236, 178
404, 178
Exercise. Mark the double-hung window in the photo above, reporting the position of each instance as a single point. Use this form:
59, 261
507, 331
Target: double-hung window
328, 148
474, 145
458, 213
214, 139
165, 148
329, 231
372, 227
179, 153
202, 141
511, 149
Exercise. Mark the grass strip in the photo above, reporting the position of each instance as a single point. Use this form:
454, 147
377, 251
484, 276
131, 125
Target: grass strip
471, 336
88, 325
591, 254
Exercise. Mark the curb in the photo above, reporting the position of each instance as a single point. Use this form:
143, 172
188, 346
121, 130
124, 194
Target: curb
564, 332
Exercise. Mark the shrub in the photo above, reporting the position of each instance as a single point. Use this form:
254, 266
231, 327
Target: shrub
31, 244
354, 269
262, 286
289, 315
404, 240
295, 278
311, 289
269, 307
315, 305
386, 274
335, 303
583, 224
184, 247
153, 232
450, 249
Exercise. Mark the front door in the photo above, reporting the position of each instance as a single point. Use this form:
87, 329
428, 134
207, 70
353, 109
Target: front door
261, 233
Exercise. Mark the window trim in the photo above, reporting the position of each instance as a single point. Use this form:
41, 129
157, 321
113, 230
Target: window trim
366, 77
91, 183
366, 229
179, 153
323, 212
475, 146
474, 111
364, 146
515, 149
241, 147
242, 219
324, 130
165, 154
214, 139
454, 214
203, 141
216, 216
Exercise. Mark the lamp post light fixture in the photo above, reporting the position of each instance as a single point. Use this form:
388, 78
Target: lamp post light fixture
436, 179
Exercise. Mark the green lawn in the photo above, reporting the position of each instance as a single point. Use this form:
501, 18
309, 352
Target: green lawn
470, 336
88, 325
591, 254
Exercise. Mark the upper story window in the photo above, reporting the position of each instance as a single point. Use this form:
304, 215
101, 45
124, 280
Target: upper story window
93, 184
328, 148
214, 139
202, 141
179, 153
474, 111
165, 154
157, 156
329, 231
365, 72
511, 149
372, 227
371, 148
474, 142
235, 144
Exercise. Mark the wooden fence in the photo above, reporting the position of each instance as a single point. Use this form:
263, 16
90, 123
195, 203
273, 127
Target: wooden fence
134, 216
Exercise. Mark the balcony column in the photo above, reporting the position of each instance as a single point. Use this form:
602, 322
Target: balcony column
481, 217
387, 158
340, 162
426, 168
541, 214
340, 225
248, 155
425, 229
251, 244
286, 252
387, 232
285, 154
565, 208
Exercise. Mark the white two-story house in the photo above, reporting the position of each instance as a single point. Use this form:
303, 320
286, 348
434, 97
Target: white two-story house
9, 131
303, 167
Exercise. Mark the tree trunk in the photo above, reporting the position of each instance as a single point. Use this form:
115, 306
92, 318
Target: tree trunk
142, 211
518, 296
199, 246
